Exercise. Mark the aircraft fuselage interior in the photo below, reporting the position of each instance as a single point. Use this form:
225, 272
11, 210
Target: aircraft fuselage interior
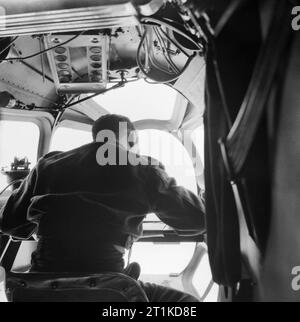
210, 88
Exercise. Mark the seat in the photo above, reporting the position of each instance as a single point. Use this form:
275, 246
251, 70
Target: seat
67, 287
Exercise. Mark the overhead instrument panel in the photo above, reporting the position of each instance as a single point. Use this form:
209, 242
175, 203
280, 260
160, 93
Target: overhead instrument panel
79, 65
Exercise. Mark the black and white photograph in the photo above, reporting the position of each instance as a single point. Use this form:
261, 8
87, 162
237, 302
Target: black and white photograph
149, 154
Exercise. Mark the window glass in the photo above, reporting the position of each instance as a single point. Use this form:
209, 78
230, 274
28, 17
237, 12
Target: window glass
198, 139
162, 258
165, 148
65, 139
171, 153
17, 139
140, 100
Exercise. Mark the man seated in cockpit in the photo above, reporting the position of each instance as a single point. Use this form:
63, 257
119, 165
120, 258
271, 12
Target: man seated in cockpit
87, 205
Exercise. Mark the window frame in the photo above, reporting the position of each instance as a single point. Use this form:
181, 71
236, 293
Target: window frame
43, 120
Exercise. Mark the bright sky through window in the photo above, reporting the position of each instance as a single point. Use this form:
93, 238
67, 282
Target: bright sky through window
171, 153
66, 139
140, 100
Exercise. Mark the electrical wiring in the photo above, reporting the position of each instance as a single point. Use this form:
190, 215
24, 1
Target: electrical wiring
151, 57
71, 99
45, 50
165, 52
170, 25
70, 104
146, 74
61, 111
174, 43
153, 60
159, 67
138, 59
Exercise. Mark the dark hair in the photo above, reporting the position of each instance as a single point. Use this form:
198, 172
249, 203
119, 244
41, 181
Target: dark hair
111, 122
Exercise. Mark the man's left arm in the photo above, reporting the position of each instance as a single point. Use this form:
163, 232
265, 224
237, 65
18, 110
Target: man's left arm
174, 205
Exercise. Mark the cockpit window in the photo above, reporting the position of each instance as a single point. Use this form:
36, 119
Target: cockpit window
65, 139
140, 100
198, 139
162, 259
17, 139
165, 148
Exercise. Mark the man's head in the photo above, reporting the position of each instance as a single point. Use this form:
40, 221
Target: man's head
122, 128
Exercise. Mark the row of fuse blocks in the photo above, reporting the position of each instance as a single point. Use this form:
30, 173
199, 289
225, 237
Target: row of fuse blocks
79, 63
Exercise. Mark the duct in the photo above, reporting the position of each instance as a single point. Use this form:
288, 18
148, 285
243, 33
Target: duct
38, 17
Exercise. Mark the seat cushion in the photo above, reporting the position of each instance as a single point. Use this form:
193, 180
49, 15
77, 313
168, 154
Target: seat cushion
64, 287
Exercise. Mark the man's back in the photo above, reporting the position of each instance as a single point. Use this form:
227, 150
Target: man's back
107, 200
79, 205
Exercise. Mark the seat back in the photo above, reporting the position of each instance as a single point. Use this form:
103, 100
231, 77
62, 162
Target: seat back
66, 287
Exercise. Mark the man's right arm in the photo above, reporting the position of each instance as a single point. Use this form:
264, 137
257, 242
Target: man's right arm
174, 205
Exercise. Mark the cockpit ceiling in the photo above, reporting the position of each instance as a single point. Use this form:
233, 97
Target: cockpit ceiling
36, 16
53, 51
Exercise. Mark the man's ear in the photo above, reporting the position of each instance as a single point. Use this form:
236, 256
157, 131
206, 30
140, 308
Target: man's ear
132, 139
131, 144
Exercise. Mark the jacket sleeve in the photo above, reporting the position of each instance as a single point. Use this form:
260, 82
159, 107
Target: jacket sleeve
174, 205
13, 215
